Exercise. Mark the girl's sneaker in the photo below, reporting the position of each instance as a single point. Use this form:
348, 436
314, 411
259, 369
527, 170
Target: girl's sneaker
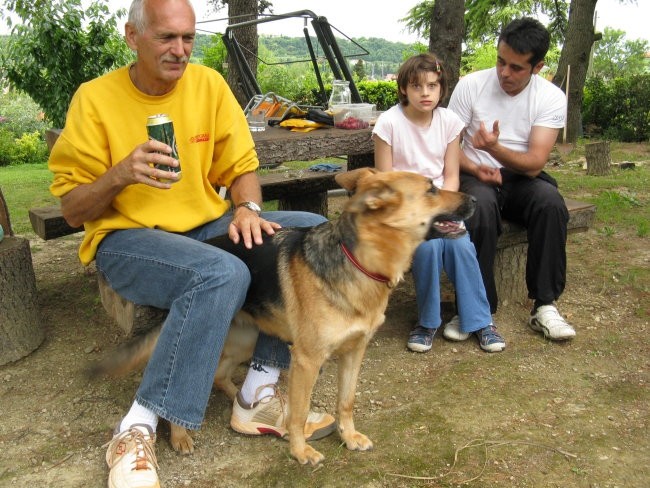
489, 339
421, 339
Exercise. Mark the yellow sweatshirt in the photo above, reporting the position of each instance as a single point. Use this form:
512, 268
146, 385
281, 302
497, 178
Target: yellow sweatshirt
107, 120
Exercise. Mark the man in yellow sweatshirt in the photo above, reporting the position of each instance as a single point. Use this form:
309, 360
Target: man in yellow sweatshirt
144, 227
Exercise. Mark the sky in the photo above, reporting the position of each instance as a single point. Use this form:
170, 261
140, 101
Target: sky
370, 18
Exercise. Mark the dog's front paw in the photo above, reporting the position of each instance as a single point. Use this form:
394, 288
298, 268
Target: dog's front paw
356, 441
307, 454
180, 439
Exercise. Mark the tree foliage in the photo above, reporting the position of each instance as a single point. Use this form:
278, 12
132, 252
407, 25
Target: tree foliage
613, 55
57, 46
484, 19
619, 108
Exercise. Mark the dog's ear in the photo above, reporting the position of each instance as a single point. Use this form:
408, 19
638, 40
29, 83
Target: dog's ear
350, 179
375, 196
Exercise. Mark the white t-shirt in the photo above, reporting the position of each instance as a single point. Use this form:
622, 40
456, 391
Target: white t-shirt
478, 97
418, 149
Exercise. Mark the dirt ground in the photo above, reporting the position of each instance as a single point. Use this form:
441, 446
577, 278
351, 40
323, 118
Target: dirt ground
539, 414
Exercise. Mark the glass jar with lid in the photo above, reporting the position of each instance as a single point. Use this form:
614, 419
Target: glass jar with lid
340, 93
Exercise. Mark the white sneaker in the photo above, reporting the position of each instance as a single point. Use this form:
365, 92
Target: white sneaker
132, 460
548, 320
452, 330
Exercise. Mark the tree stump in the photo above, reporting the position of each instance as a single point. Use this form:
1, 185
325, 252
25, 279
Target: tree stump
21, 328
598, 158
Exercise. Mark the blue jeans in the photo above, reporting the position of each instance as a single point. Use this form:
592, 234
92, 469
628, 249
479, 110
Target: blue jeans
203, 287
458, 258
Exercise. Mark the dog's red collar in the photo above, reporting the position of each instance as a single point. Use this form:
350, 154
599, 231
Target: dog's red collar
375, 276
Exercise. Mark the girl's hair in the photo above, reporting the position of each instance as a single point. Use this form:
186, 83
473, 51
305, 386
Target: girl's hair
412, 71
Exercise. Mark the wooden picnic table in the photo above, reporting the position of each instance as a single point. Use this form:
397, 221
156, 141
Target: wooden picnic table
295, 190
277, 145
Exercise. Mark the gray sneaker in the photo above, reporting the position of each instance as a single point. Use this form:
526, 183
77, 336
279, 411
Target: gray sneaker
421, 339
489, 339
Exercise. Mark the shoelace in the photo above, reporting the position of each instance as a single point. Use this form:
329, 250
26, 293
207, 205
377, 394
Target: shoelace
490, 335
552, 318
276, 393
144, 452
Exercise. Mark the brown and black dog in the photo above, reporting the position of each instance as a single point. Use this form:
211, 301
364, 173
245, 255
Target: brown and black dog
325, 290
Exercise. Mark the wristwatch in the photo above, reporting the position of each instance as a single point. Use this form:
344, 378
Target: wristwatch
251, 206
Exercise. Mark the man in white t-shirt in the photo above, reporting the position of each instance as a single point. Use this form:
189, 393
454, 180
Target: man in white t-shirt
512, 119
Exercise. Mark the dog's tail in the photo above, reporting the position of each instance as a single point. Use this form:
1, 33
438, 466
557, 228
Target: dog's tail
128, 357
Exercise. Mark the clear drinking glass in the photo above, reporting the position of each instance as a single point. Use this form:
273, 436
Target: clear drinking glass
256, 121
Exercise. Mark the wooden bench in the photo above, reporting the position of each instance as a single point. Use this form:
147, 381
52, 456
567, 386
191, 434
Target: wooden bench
510, 263
307, 190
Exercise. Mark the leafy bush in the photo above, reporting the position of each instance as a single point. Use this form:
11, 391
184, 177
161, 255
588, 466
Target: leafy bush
382, 93
59, 45
26, 149
20, 114
618, 109
30, 148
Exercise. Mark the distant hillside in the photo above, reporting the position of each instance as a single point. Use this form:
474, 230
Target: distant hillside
382, 56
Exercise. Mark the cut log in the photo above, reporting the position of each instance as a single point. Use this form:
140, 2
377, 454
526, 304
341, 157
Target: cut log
21, 326
598, 158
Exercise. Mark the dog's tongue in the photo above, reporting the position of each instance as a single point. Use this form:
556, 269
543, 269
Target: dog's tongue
448, 226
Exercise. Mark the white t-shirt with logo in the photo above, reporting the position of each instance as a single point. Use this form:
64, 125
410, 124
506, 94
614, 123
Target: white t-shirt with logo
478, 97
418, 149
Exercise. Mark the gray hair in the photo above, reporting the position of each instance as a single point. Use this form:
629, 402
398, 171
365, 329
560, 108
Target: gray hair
137, 16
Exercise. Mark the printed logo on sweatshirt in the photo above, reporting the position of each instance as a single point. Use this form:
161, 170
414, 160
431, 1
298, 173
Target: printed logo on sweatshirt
200, 138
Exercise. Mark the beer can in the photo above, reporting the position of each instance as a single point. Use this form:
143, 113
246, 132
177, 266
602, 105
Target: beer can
161, 128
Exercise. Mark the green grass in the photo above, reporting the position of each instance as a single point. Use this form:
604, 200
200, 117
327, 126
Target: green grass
621, 197
24, 187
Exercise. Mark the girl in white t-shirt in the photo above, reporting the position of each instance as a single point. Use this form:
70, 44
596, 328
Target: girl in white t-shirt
419, 136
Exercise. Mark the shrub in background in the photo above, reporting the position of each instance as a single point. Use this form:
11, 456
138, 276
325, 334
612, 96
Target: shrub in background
27, 149
618, 109
382, 93
21, 130
20, 114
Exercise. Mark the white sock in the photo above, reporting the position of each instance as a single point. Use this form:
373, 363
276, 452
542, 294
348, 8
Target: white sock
259, 376
139, 415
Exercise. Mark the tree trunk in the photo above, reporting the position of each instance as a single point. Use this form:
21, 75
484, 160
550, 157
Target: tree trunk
241, 11
21, 328
446, 37
598, 158
580, 37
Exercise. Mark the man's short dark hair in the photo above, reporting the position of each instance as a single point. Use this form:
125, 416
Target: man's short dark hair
527, 36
